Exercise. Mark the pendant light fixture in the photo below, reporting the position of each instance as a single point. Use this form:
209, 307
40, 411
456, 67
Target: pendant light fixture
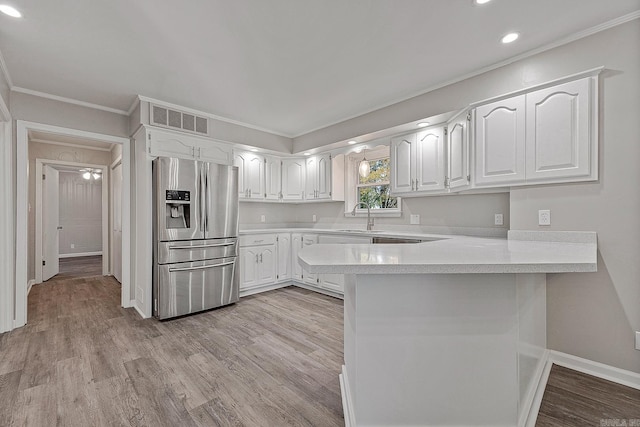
364, 168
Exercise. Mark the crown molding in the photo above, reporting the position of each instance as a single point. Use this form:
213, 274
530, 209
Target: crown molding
67, 100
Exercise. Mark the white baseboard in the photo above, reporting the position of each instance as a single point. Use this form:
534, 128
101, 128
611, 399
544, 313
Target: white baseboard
30, 285
529, 416
79, 254
347, 403
259, 289
597, 369
134, 303
319, 290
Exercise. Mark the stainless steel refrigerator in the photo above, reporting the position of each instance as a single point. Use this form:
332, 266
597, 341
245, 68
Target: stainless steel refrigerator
195, 232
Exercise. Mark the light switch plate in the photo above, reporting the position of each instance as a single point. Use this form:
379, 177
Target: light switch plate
414, 219
637, 340
544, 217
263, 218
498, 219
315, 218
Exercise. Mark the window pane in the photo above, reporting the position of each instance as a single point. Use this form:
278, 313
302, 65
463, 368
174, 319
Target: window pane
377, 197
380, 172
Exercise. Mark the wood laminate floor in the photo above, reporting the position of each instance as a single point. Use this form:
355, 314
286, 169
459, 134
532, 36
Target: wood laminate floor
85, 266
273, 359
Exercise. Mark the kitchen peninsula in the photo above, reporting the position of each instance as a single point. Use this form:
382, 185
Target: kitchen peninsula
449, 331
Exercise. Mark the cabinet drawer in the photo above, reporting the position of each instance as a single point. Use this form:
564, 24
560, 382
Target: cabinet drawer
258, 240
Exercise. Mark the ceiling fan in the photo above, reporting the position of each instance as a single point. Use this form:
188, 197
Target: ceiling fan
88, 173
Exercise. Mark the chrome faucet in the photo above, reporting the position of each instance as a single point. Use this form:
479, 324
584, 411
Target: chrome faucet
369, 219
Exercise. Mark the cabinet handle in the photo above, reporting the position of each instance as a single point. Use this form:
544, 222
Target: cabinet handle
249, 193
256, 258
260, 257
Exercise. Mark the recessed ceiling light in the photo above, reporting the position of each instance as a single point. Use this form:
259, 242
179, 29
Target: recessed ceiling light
307, 154
352, 142
254, 150
511, 37
423, 124
11, 11
481, 1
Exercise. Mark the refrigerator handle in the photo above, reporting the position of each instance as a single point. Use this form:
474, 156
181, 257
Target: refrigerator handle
171, 270
201, 198
206, 200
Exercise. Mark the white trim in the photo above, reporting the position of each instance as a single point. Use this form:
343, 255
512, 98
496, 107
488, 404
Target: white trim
264, 288
114, 164
134, 303
134, 104
208, 115
67, 100
560, 42
5, 71
317, 289
597, 369
7, 282
81, 254
347, 402
529, 417
22, 157
104, 221
30, 285
69, 144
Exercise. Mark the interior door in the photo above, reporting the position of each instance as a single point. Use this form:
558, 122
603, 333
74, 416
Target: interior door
50, 223
116, 228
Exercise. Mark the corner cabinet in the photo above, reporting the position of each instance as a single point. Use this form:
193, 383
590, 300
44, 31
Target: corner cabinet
251, 175
258, 259
184, 146
283, 246
541, 137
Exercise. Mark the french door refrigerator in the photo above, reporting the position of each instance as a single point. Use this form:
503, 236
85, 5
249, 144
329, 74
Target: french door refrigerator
195, 234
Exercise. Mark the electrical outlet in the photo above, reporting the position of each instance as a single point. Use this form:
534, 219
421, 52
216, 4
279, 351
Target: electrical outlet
414, 219
637, 340
544, 217
314, 218
73, 246
263, 218
498, 219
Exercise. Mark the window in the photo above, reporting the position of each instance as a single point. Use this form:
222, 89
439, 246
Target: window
374, 189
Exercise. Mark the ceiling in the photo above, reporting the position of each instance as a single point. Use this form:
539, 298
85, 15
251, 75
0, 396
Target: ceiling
286, 66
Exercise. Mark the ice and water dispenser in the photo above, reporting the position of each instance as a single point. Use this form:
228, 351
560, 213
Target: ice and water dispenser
178, 209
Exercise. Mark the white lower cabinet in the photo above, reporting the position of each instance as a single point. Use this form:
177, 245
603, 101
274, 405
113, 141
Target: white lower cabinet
309, 278
296, 245
283, 246
258, 258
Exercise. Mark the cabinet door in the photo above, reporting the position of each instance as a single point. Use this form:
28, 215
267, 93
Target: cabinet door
458, 151
310, 278
215, 152
429, 159
250, 175
248, 267
323, 179
500, 143
167, 144
311, 178
293, 176
283, 244
267, 265
273, 178
402, 180
333, 282
559, 131
296, 245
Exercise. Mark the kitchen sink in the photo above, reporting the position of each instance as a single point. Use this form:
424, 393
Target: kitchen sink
393, 240
360, 231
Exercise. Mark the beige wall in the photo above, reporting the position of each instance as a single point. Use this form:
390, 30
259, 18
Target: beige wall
53, 152
4, 89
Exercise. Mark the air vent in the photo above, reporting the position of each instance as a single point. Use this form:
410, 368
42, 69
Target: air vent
174, 119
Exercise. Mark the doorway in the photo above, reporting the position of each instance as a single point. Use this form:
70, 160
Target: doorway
23, 207
72, 224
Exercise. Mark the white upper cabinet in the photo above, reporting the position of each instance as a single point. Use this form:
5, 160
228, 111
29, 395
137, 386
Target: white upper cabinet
293, 179
251, 176
540, 137
184, 146
418, 162
500, 142
560, 135
401, 154
318, 177
458, 177
273, 178
429, 159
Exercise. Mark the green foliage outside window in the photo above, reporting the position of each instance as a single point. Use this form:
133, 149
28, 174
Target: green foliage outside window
374, 189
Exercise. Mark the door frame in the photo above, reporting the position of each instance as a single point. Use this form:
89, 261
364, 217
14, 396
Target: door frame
114, 164
7, 244
104, 220
22, 209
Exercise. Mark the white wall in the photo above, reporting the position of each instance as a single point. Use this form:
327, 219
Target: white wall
80, 205
39, 150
